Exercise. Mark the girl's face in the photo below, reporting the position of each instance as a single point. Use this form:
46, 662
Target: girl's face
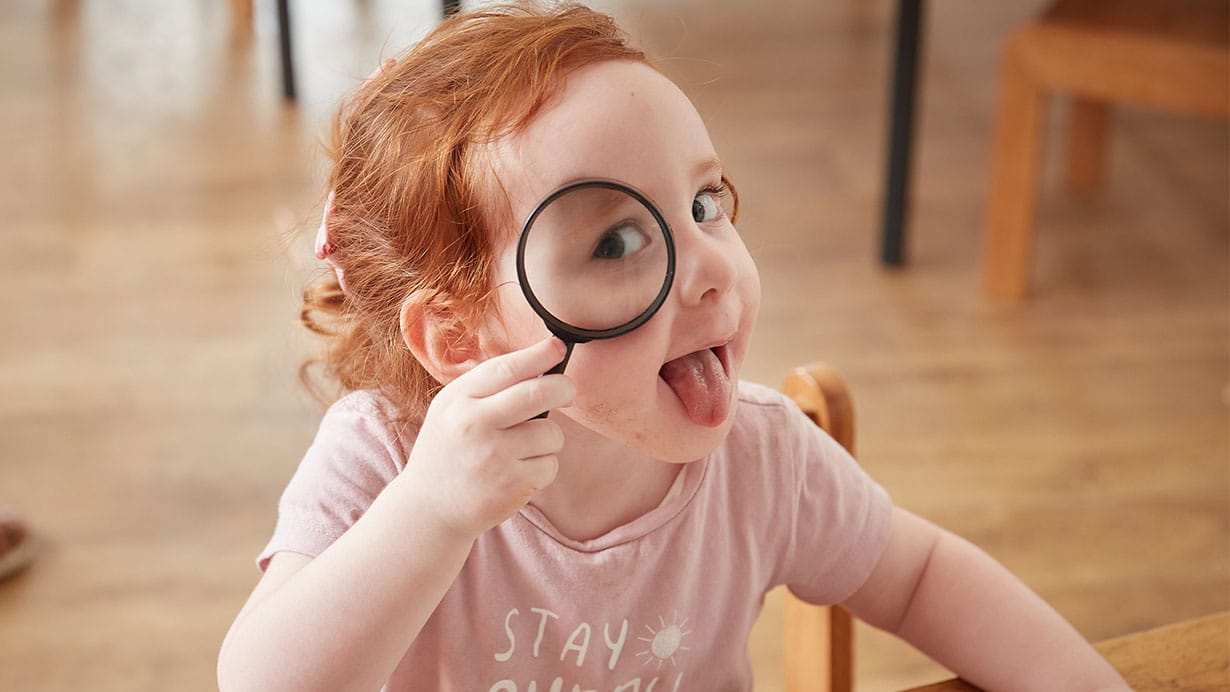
668, 389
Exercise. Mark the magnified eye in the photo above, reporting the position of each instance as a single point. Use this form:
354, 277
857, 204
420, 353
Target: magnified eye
620, 241
707, 206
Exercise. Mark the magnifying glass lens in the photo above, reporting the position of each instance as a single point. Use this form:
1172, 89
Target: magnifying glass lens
596, 258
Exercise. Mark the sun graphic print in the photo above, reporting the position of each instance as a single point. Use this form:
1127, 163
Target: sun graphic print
664, 642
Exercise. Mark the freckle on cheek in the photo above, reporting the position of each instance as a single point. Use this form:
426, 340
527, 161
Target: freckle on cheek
604, 413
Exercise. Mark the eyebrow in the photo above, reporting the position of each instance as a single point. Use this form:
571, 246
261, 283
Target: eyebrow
710, 166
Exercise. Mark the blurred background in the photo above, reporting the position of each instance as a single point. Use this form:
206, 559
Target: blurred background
154, 179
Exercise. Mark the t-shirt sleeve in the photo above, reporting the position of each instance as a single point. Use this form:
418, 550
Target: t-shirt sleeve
355, 454
841, 517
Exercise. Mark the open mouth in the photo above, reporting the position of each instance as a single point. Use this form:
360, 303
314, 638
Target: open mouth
701, 381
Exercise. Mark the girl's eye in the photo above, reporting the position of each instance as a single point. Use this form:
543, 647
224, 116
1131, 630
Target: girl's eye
707, 206
619, 242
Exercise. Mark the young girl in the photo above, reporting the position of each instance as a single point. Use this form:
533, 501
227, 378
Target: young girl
439, 536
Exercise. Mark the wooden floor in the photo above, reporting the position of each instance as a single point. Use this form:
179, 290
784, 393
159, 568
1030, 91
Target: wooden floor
150, 416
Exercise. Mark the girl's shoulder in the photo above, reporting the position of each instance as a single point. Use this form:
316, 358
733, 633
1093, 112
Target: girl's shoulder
371, 415
758, 395
770, 424
761, 407
363, 401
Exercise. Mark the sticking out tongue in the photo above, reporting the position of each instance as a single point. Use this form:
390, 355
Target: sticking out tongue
700, 382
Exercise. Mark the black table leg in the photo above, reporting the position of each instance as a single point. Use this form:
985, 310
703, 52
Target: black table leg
905, 75
450, 7
288, 64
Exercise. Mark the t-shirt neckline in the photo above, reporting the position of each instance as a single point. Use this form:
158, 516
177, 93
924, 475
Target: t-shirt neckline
693, 474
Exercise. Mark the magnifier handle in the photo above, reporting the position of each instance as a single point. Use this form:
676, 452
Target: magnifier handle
559, 368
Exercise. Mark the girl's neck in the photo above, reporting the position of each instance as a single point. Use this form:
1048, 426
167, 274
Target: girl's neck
601, 485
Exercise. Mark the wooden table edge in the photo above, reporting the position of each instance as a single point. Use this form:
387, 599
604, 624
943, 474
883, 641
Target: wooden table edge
1121, 650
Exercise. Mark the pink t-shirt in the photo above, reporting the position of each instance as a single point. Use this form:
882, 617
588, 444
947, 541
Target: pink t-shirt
663, 603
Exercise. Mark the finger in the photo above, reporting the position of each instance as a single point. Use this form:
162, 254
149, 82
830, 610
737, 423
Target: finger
522, 401
533, 438
539, 472
501, 372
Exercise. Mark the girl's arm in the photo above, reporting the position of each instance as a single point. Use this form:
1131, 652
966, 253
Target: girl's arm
956, 604
344, 620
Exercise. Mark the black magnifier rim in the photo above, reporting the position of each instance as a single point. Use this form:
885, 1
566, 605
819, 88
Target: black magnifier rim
573, 333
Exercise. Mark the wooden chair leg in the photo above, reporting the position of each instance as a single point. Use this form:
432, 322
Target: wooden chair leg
1087, 143
806, 652
841, 667
819, 655
1015, 169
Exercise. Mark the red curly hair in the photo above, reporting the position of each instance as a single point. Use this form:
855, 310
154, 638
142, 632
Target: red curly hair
410, 209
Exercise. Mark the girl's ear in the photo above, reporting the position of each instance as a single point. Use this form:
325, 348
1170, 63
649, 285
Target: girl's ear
437, 338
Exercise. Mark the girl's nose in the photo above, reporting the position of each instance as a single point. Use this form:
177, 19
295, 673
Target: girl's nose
705, 266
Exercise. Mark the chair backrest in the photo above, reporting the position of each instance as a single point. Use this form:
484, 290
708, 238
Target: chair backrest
818, 642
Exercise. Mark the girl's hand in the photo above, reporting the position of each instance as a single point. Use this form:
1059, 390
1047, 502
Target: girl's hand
481, 454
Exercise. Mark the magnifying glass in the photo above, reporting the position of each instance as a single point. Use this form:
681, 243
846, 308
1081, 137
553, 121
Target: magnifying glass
595, 260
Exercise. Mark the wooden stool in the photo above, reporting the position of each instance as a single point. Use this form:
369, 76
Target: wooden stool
1167, 54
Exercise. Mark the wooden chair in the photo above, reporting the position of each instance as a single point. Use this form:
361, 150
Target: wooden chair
819, 642
1168, 54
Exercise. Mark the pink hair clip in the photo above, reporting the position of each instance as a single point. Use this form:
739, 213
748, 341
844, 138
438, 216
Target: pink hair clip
325, 249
